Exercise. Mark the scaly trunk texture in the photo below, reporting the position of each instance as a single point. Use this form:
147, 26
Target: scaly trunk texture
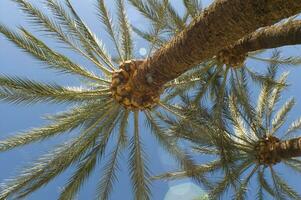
266, 38
288, 148
219, 26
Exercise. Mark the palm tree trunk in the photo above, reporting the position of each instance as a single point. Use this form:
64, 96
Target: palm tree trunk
219, 26
266, 38
288, 148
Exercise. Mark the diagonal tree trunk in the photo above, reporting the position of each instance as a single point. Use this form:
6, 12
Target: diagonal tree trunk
266, 38
223, 23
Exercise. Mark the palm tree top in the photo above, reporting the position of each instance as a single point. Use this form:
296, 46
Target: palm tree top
246, 145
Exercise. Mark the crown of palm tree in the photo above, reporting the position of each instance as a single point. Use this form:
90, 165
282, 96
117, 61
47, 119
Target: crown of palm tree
244, 145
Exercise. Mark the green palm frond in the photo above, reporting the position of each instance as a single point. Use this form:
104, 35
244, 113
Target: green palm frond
138, 169
17, 90
63, 122
146, 9
42, 52
51, 164
109, 176
52, 28
282, 189
125, 31
281, 115
89, 161
81, 32
109, 25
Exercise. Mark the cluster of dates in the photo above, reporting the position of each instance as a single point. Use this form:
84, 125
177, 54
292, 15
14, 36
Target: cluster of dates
124, 91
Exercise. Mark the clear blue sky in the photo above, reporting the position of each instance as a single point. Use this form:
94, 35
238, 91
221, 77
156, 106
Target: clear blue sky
14, 118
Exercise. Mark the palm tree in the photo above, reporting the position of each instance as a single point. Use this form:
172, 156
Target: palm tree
112, 92
249, 144
99, 93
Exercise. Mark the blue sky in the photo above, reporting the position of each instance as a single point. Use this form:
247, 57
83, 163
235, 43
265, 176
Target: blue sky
15, 118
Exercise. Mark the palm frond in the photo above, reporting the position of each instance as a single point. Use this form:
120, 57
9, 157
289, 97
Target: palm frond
88, 163
281, 115
295, 126
127, 43
175, 19
231, 177
41, 51
64, 122
146, 9
50, 165
110, 27
80, 31
109, 175
242, 190
18, 90
264, 183
282, 188
294, 164
152, 36
170, 145
138, 170
49, 26
193, 7
84, 170
200, 169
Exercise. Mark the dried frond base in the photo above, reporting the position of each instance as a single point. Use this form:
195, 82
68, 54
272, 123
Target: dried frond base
266, 151
230, 58
123, 90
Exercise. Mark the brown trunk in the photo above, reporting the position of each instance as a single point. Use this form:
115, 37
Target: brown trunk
288, 148
266, 38
223, 23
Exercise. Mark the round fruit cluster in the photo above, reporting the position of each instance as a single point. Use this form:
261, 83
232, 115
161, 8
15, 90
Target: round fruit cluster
124, 92
228, 57
266, 151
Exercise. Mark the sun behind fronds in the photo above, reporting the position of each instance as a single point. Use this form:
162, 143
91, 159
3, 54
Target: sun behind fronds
100, 108
247, 147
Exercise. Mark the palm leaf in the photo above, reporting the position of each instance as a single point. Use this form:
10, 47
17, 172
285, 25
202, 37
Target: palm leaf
127, 46
19, 90
110, 27
138, 170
